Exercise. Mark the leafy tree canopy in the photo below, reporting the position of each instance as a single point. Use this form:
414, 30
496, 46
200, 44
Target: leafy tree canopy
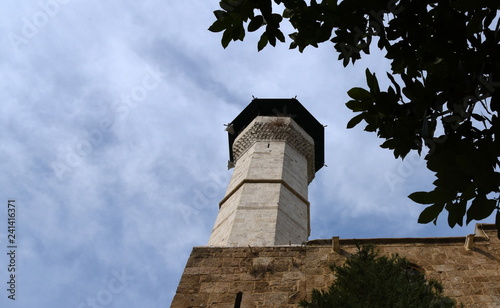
369, 280
444, 79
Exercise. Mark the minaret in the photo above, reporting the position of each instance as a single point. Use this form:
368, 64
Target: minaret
276, 147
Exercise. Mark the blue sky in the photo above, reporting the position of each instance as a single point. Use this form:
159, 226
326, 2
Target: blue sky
113, 146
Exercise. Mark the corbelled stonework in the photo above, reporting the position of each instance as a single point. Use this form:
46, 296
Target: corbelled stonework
282, 276
276, 129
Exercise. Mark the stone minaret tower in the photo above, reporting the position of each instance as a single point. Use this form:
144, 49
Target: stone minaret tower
276, 147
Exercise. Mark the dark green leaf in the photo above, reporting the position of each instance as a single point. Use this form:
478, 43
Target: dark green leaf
262, 42
372, 82
422, 197
391, 144
359, 94
220, 25
478, 117
280, 36
276, 19
358, 105
430, 214
271, 35
480, 208
442, 195
271, 38
225, 6
355, 120
456, 213
220, 14
238, 32
255, 23
226, 37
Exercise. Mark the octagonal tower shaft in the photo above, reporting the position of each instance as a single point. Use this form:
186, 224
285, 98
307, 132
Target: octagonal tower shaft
266, 201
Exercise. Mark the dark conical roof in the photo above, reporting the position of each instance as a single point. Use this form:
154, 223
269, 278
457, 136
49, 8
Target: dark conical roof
289, 107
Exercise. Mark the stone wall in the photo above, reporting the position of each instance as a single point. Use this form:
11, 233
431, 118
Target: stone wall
282, 276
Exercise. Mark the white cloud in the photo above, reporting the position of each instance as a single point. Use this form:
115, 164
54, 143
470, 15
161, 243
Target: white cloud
144, 160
